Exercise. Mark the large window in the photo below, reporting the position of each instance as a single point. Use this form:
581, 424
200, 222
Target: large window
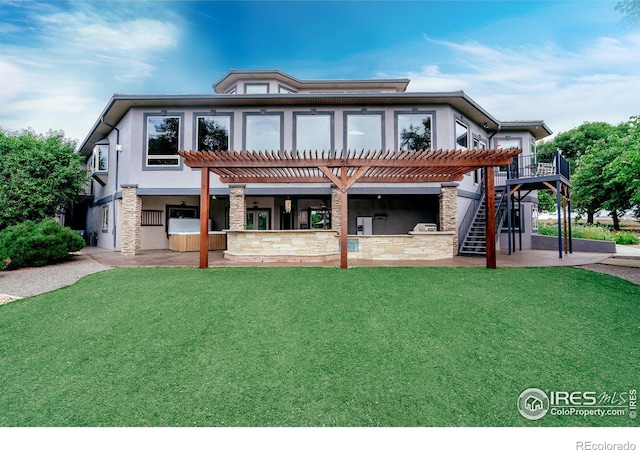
364, 131
414, 131
262, 132
214, 133
162, 141
462, 136
313, 132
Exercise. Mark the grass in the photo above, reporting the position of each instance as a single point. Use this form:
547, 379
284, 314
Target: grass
315, 347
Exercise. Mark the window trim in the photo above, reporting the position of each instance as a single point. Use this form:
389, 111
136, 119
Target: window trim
331, 114
363, 112
416, 112
212, 113
145, 139
464, 123
279, 114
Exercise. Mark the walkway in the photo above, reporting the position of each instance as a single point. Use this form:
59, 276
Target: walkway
36, 280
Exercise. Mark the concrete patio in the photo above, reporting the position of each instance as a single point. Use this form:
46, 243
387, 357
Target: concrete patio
528, 258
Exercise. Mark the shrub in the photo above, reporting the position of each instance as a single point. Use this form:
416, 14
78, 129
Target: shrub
595, 232
30, 245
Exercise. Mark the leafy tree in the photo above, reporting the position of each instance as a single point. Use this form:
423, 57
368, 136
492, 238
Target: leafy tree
546, 202
417, 138
40, 176
574, 143
608, 173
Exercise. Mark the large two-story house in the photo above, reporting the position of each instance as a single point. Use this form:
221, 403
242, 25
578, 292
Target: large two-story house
146, 194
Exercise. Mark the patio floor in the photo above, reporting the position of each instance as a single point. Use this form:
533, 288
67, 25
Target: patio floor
168, 258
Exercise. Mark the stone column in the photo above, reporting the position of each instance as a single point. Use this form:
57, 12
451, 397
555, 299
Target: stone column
335, 207
237, 208
449, 211
131, 219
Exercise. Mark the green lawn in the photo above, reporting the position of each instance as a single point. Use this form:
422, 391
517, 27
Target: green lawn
316, 347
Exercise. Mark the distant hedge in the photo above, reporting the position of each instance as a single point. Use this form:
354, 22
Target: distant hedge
31, 244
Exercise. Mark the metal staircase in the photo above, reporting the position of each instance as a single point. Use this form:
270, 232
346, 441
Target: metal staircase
475, 243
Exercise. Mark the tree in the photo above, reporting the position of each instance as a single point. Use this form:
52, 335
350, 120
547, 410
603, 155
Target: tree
546, 202
573, 144
40, 176
608, 173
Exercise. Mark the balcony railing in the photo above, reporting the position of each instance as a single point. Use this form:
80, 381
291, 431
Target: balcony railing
534, 166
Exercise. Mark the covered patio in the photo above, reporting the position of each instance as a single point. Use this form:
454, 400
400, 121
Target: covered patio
343, 170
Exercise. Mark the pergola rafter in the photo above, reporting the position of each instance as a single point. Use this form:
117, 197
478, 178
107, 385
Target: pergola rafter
343, 169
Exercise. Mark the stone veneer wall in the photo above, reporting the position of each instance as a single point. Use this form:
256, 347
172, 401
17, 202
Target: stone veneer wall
449, 212
323, 245
336, 212
237, 207
131, 220
282, 246
416, 246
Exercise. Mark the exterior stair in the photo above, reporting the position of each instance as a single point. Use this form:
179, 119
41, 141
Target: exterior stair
475, 243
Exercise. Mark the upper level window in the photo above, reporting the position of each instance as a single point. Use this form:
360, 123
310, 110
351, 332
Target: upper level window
462, 136
162, 141
213, 133
364, 131
507, 143
414, 131
313, 132
256, 88
479, 144
262, 132
100, 161
285, 90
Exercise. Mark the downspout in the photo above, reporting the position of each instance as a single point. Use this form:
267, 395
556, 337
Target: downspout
115, 193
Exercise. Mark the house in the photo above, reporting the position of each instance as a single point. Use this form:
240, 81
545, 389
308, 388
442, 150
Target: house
145, 156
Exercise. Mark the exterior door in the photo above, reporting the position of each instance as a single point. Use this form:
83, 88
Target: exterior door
258, 219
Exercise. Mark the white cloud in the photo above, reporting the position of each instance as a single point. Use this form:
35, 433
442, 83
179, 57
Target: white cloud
599, 82
49, 79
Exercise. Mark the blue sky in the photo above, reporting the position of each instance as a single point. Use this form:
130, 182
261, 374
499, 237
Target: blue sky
565, 62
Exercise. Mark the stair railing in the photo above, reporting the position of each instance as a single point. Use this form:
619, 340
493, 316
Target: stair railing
472, 212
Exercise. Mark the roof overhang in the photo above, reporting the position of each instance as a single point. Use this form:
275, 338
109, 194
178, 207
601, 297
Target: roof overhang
120, 104
537, 128
233, 76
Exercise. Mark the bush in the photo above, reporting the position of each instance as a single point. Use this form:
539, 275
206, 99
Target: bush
31, 245
594, 232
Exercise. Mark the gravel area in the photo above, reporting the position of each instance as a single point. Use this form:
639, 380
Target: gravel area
626, 273
30, 281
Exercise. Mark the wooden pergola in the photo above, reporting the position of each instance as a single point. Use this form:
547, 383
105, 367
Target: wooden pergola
344, 169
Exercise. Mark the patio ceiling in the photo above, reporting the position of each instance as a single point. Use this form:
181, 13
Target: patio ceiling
379, 166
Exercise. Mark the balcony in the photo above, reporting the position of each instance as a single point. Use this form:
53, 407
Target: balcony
534, 169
